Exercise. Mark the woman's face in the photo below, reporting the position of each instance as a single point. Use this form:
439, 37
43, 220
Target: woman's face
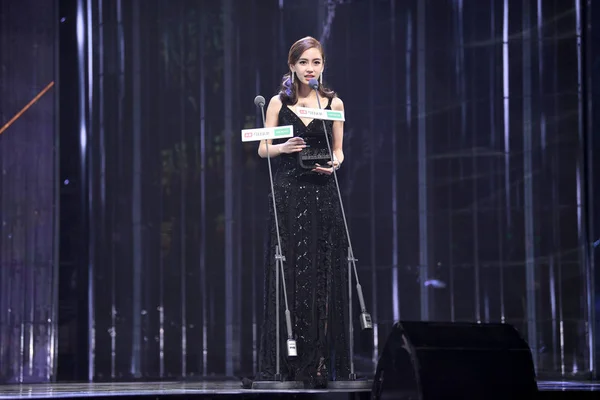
309, 65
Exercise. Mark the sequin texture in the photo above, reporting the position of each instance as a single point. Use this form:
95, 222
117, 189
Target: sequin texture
315, 248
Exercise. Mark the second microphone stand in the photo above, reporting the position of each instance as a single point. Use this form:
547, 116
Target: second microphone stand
365, 317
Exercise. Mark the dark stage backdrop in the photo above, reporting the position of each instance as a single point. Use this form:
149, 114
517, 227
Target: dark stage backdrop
28, 156
464, 180
593, 147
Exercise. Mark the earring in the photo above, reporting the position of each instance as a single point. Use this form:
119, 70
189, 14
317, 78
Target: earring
321, 79
292, 77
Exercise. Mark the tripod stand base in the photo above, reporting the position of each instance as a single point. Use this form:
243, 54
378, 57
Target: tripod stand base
351, 385
277, 385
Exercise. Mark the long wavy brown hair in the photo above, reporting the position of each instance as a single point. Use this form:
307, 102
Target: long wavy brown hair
288, 92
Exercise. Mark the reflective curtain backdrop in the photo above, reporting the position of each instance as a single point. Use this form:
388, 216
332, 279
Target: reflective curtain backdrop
28, 156
464, 183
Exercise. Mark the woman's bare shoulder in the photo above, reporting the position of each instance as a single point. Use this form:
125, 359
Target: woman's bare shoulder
275, 100
337, 104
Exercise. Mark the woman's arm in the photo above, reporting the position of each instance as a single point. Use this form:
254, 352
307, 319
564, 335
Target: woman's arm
338, 141
271, 120
338, 132
292, 145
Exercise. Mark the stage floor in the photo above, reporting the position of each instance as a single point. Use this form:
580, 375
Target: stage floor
213, 389
158, 389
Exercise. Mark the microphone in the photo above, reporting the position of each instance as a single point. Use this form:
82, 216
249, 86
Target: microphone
259, 101
313, 84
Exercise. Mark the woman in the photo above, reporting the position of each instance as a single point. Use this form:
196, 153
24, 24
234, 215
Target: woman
312, 233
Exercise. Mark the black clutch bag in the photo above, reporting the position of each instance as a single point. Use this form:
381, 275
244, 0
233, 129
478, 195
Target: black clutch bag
316, 151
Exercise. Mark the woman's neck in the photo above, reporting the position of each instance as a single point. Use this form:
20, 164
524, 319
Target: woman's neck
304, 92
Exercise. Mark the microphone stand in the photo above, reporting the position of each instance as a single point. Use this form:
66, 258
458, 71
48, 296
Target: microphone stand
365, 317
277, 382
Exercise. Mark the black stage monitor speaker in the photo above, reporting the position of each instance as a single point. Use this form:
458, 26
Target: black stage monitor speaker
439, 360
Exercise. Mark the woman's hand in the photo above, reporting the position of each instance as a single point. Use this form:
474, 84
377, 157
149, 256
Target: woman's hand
293, 145
328, 170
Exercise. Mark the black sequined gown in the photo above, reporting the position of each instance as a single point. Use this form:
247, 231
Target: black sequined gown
315, 248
